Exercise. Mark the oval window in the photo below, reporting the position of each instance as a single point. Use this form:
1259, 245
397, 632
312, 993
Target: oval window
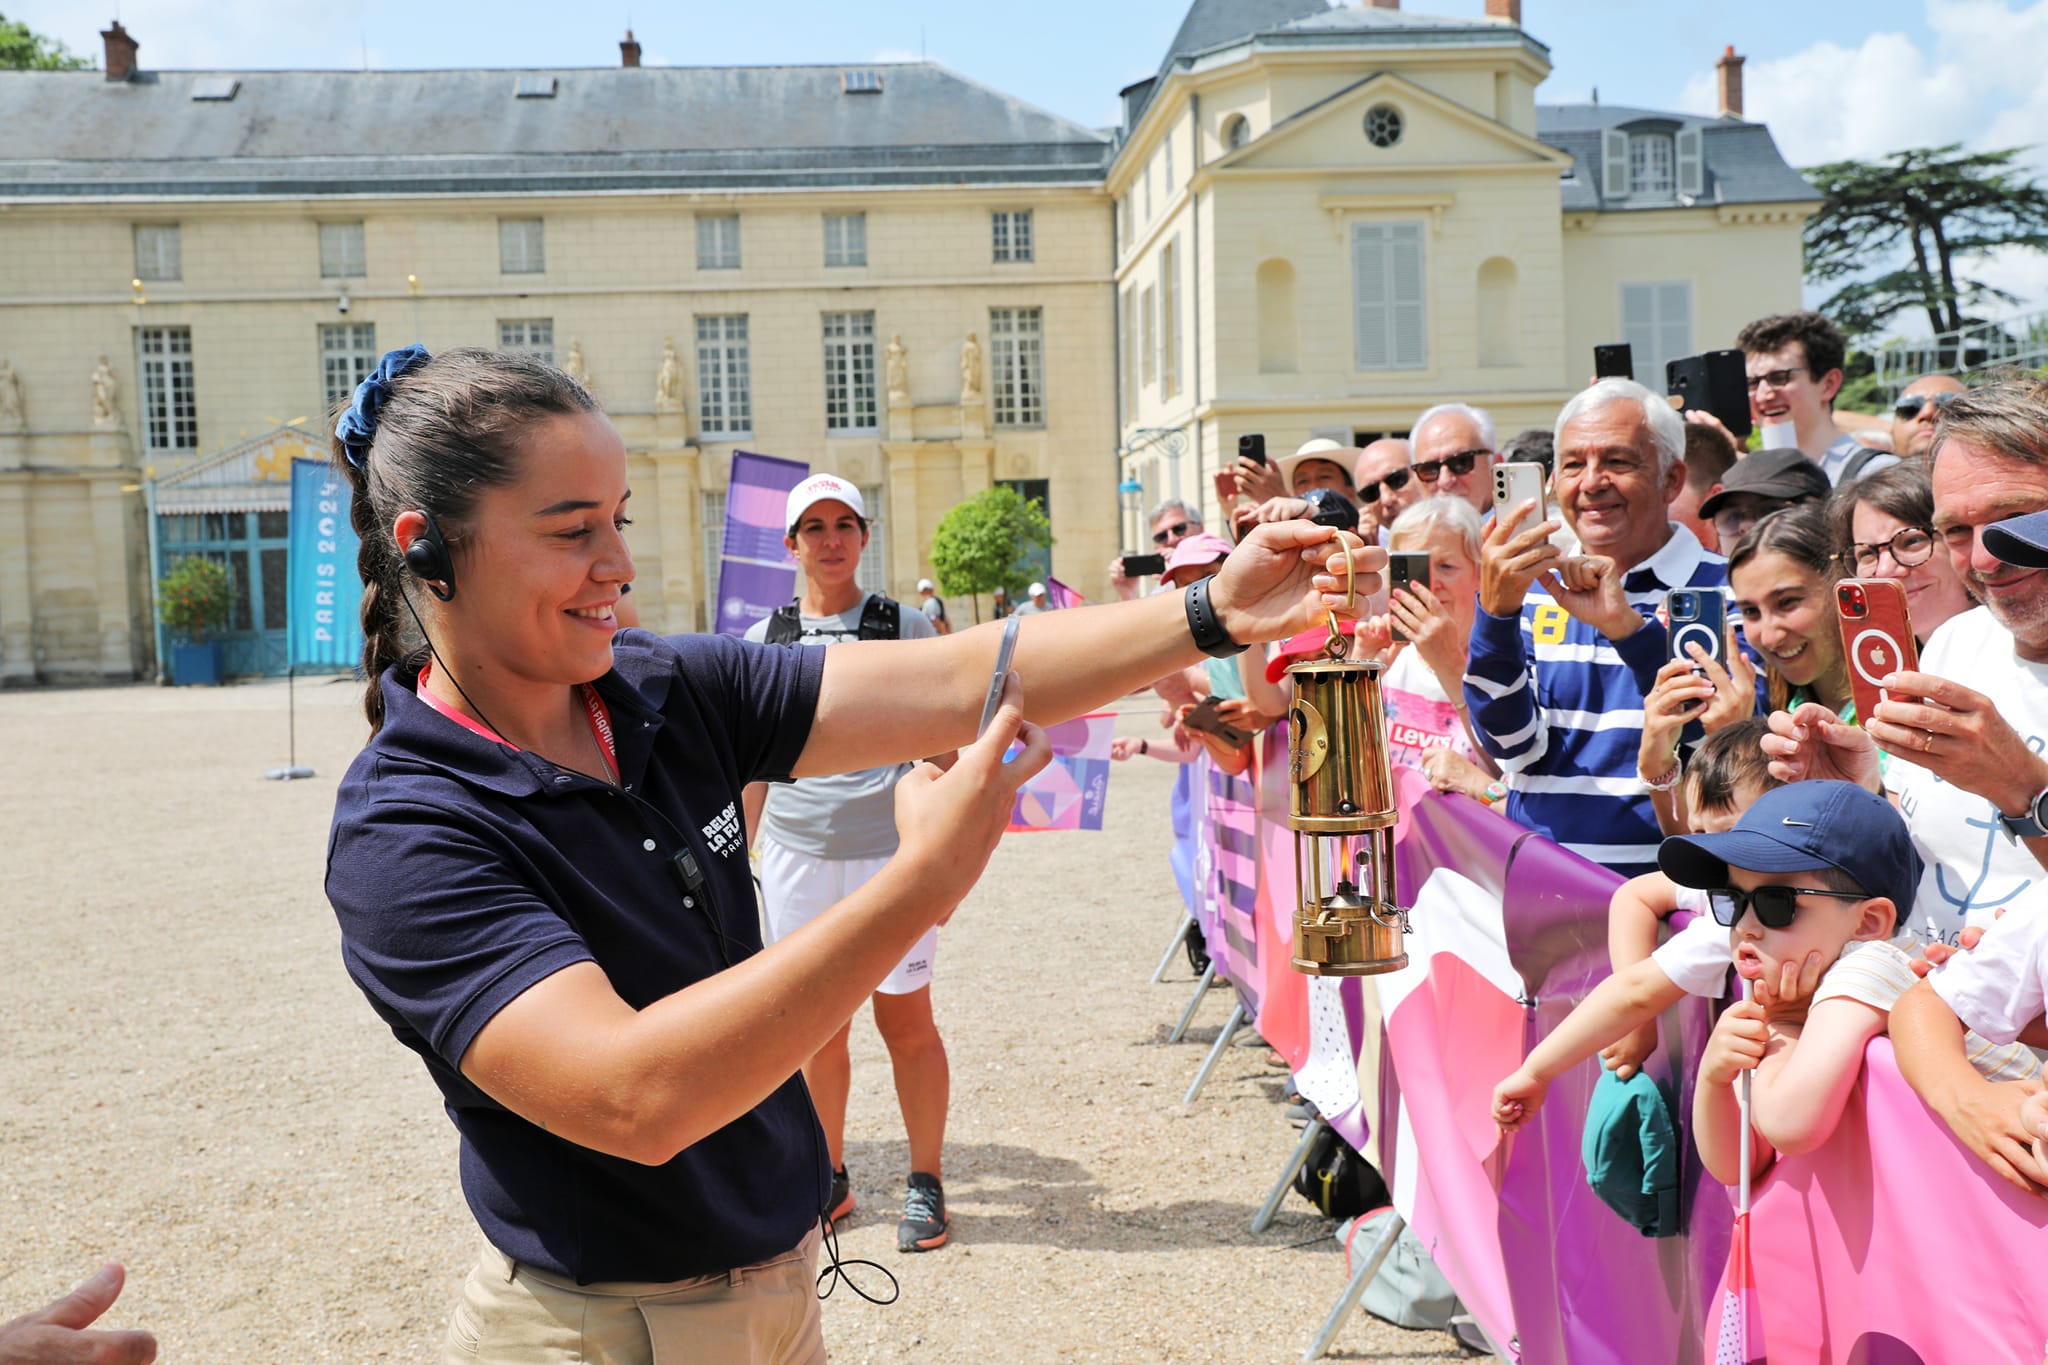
1383, 125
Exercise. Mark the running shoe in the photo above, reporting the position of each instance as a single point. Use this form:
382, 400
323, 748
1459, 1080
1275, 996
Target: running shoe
841, 1203
923, 1227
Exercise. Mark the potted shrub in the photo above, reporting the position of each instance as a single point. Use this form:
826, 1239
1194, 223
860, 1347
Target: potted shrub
193, 601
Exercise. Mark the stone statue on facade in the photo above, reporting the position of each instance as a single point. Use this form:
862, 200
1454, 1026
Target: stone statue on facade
106, 397
970, 372
574, 366
12, 415
668, 381
898, 370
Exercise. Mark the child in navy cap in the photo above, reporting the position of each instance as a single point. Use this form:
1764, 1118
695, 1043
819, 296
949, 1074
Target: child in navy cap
1813, 881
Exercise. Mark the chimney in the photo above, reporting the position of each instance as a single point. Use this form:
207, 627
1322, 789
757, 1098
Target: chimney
120, 52
1729, 70
629, 51
1507, 11
1384, 4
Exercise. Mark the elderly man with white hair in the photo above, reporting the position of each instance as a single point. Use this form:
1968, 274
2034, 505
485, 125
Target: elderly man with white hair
1564, 650
1452, 454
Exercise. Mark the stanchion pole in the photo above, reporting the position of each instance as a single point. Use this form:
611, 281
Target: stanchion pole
291, 771
1180, 1030
1361, 1276
1172, 945
1264, 1218
1230, 1028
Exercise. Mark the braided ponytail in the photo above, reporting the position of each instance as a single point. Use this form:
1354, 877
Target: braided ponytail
439, 432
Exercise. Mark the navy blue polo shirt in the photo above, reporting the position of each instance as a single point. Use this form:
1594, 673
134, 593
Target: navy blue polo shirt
464, 872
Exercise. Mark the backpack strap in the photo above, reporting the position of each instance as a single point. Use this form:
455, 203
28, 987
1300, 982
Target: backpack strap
881, 618
1854, 469
785, 625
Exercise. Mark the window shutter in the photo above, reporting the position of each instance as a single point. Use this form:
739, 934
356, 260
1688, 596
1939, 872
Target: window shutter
1614, 164
1410, 337
1369, 286
1674, 323
1639, 330
1692, 175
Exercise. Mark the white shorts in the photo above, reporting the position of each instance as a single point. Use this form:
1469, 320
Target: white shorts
798, 888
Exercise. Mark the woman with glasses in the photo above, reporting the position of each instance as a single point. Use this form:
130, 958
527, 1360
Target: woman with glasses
1884, 528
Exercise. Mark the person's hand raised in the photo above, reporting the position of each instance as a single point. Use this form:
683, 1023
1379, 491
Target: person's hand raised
1285, 577
1510, 558
1589, 587
948, 823
1813, 742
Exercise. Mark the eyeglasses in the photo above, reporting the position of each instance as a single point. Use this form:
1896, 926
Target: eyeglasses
1911, 406
1774, 905
1166, 533
1777, 379
1395, 482
1909, 548
1459, 464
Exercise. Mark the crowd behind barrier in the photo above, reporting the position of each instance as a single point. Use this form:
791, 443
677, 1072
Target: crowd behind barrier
1509, 933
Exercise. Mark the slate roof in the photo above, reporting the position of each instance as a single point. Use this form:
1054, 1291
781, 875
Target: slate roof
412, 132
1743, 164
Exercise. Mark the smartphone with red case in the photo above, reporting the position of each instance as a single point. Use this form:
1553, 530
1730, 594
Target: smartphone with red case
1877, 636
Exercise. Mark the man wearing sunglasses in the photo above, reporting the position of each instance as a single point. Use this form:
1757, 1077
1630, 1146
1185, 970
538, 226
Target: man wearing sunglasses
1920, 402
1794, 362
1453, 454
1386, 485
1172, 522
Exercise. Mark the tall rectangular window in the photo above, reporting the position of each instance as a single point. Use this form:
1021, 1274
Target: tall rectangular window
342, 254
846, 239
1125, 387
1167, 144
718, 241
1123, 217
157, 252
528, 336
1389, 327
1148, 339
1037, 559
711, 543
725, 394
1016, 352
170, 405
1013, 234
522, 246
1650, 164
348, 352
872, 575
850, 372
1656, 322
1169, 319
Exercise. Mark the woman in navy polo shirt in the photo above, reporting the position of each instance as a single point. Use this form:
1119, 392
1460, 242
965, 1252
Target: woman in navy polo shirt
540, 872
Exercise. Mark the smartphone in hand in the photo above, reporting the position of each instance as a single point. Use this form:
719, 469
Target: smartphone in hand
1697, 616
1405, 569
1877, 637
1252, 448
1616, 361
1204, 719
1515, 483
1144, 566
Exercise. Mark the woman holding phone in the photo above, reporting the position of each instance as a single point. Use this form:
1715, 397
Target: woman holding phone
539, 869
1884, 528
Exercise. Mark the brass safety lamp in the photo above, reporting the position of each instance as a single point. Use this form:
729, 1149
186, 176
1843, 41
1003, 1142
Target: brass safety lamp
1342, 813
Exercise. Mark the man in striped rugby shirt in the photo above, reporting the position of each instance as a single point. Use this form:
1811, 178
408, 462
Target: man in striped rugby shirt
1564, 650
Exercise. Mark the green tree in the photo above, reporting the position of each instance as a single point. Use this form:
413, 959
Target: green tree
982, 543
195, 598
22, 49
1898, 233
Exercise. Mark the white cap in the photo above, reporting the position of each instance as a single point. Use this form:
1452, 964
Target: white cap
822, 488
1036, 590
925, 585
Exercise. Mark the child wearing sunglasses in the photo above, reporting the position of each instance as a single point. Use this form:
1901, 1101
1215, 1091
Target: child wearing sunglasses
1813, 882
1618, 1017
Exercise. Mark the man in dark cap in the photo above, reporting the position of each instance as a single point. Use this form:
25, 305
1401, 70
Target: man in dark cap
1757, 485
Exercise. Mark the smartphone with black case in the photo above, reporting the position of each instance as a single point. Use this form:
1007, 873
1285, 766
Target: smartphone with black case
1205, 719
1406, 569
1697, 616
1715, 382
1252, 448
1614, 361
1877, 637
1144, 566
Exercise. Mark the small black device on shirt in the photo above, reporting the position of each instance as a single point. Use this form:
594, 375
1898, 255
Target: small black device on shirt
1715, 382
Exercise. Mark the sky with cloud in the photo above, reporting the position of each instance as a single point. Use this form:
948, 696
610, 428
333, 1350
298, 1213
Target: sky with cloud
1832, 78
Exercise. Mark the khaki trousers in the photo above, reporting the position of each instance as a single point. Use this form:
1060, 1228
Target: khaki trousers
766, 1314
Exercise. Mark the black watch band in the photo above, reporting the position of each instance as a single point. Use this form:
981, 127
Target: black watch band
1210, 637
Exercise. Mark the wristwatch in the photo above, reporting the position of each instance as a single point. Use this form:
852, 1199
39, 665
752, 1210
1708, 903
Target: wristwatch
1210, 636
2031, 823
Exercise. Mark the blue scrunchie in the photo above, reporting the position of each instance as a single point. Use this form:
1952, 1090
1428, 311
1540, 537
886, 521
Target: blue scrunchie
358, 423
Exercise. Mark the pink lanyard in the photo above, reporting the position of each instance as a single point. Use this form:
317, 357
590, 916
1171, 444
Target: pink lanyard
600, 720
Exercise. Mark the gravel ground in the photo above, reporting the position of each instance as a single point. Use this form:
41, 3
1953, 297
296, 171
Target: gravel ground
190, 1084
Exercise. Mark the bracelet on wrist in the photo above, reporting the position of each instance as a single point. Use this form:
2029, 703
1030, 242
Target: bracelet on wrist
1144, 746
1494, 794
1664, 782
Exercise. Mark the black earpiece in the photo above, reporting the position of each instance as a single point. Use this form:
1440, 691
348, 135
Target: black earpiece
430, 561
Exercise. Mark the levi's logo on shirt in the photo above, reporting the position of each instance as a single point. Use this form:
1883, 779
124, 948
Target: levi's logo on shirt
723, 833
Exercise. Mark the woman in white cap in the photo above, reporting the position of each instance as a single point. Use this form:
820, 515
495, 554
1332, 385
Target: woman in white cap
820, 839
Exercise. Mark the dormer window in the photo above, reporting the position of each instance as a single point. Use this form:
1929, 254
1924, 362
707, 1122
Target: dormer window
1651, 164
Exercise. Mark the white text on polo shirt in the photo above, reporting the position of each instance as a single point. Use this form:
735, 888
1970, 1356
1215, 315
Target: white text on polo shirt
723, 834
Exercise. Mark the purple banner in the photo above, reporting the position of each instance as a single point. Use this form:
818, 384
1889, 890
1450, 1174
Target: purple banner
755, 575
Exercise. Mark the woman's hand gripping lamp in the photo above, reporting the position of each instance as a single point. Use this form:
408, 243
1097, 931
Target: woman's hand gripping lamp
1342, 815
